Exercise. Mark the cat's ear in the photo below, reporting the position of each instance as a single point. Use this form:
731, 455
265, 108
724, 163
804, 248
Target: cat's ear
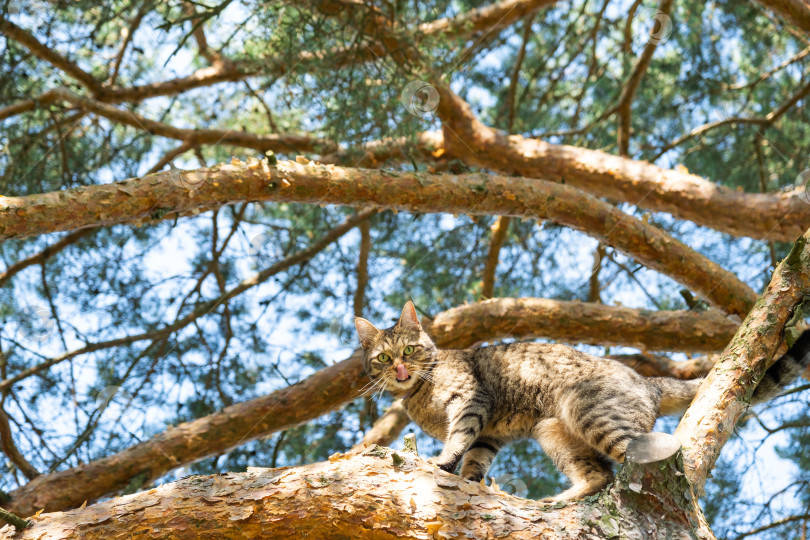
409, 319
365, 330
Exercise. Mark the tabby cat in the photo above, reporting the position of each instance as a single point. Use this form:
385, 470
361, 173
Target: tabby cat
582, 409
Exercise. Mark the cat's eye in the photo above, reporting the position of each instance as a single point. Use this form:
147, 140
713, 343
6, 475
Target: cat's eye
382, 357
408, 350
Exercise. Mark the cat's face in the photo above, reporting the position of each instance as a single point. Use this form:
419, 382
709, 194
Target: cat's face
397, 357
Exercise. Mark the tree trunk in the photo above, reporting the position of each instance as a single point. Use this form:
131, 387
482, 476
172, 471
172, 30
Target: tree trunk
379, 494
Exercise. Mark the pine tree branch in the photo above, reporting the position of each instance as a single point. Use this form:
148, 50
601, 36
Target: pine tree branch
362, 268
369, 495
629, 88
44, 255
761, 121
726, 392
161, 196
11, 451
499, 230
772, 216
48, 54
466, 25
582, 322
276, 143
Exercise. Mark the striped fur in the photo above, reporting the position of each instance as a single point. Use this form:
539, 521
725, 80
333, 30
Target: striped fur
582, 409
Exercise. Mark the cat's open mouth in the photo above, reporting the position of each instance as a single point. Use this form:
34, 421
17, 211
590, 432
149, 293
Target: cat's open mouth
402, 373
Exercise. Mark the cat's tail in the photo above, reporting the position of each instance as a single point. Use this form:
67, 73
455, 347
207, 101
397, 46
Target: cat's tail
677, 394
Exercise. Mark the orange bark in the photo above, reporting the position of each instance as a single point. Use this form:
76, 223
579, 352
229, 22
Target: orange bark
726, 393
167, 194
369, 496
582, 322
769, 216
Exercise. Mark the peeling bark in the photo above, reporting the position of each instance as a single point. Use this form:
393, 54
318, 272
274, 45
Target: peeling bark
726, 393
169, 193
368, 496
334, 386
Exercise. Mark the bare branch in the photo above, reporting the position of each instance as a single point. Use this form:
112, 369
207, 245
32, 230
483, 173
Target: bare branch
169, 156
11, 451
362, 268
129, 33
631, 85
762, 121
297, 258
276, 143
43, 255
479, 194
773, 525
499, 230
387, 427
46, 53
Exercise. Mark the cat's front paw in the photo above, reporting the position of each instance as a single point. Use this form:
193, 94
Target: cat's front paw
446, 467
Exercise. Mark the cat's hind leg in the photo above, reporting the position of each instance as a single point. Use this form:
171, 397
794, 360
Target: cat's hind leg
587, 469
479, 457
609, 418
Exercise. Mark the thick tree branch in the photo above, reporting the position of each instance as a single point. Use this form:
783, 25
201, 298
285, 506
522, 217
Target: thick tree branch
337, 385
726, 393
158, 196
773, 216
369, 495
580, 322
